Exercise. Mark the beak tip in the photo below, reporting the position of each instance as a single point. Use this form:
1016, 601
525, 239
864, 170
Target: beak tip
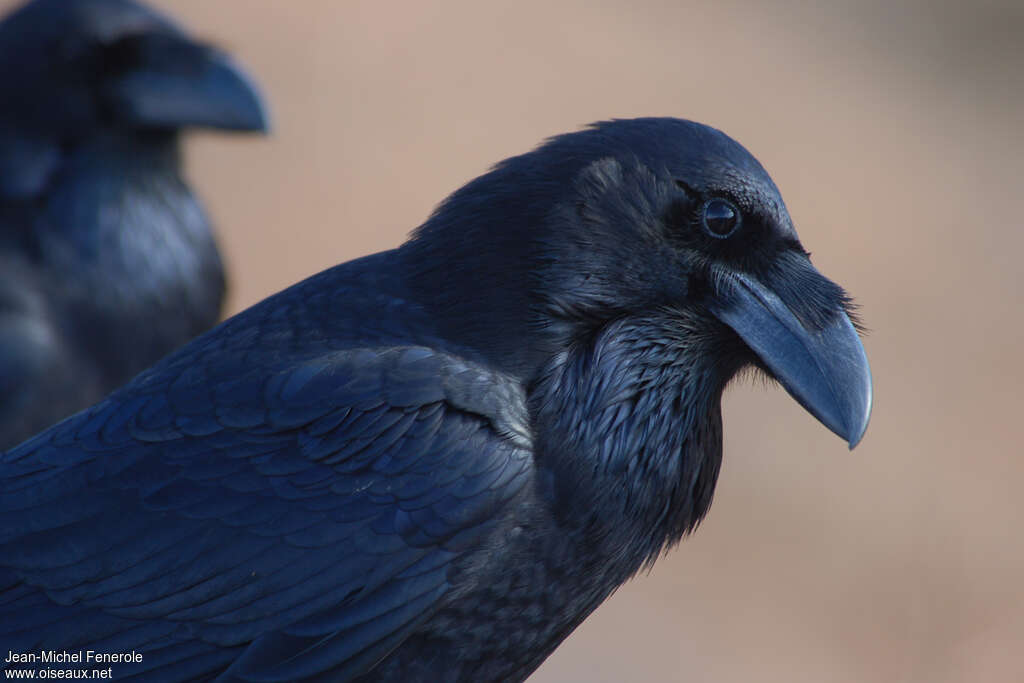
254, 113
857, 435
861, 416
236, 95
256, 119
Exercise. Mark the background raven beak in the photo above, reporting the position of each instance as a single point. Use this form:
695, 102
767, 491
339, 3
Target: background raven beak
825, 370
199, 86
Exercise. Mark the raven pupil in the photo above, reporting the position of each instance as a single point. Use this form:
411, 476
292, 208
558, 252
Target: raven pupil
720, 218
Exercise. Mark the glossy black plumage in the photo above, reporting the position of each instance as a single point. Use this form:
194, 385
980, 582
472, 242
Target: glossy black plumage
432, 463
107, 260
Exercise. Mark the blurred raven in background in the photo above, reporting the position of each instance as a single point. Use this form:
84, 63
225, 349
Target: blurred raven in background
432, 463
107, 261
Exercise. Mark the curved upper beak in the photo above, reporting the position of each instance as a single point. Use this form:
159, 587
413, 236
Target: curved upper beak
188, 85
825, 370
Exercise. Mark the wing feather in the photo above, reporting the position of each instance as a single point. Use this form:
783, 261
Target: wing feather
294, 525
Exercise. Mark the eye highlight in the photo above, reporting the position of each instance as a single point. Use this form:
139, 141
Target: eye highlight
720, 218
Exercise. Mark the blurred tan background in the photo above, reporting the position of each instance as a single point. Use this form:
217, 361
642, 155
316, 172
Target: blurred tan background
896, 133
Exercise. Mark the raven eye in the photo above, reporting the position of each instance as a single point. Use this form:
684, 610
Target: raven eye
720, 218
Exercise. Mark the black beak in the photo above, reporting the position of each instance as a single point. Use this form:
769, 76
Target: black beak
174, 83
825, 369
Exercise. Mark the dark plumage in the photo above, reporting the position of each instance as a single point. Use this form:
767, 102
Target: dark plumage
107, 261
434, 462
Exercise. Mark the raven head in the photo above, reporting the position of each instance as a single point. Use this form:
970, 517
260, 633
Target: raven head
679, 214
69, 66
659, 218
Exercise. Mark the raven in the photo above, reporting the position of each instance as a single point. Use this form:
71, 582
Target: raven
432, 463
107, 261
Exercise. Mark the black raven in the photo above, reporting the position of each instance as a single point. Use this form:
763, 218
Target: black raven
107, 262
432, 463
